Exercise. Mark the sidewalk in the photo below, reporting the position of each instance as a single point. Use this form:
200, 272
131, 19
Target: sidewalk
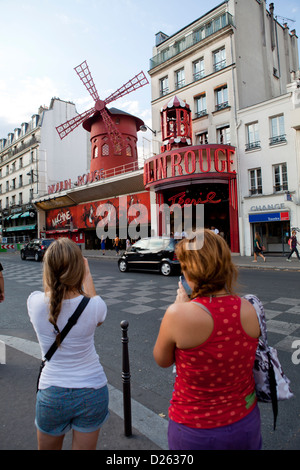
278, 262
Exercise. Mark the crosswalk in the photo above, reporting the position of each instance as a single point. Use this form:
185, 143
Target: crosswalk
125, 294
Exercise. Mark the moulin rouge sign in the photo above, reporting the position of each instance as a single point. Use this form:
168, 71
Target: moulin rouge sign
95, 175
187, 161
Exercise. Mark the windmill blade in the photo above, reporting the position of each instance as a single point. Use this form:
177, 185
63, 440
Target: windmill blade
114, 135
85, 76
67, 127
137, 81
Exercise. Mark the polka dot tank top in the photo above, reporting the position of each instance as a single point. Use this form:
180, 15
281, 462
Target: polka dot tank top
214, 383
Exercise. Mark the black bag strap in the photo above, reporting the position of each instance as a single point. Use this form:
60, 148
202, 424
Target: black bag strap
71, 322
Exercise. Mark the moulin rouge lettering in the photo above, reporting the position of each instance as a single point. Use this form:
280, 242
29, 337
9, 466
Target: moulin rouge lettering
182, 200
91, 177
198, 159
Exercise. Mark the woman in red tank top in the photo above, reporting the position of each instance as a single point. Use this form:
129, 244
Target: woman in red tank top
211, 337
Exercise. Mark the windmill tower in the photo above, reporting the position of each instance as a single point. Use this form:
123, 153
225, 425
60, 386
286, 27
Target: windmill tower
113, 132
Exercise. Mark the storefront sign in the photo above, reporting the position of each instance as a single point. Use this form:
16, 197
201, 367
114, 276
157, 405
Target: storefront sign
91, 177
119, 210
189, 161
269, 217
267, 207
182, 200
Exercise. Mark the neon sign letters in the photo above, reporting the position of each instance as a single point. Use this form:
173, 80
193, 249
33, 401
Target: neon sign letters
188, 161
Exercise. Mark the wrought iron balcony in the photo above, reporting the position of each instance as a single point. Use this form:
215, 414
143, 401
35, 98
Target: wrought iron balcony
202, 32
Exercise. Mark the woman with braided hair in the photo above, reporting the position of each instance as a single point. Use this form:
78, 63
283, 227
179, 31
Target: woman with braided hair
212, 338
73, 386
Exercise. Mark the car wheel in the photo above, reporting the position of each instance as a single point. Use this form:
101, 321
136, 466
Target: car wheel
165, 268
36, 257
22, 255
123, 266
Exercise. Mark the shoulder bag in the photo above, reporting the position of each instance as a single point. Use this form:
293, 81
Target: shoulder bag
271, 384
71, 322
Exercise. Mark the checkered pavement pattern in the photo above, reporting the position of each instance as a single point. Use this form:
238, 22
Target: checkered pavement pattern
122, 292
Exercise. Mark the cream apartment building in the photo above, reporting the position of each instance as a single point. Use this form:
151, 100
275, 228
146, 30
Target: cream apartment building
269, 171
33, 157
235, 56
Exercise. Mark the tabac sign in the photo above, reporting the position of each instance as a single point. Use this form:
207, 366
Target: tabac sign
188, 161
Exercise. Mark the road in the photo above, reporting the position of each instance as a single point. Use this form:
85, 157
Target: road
141, 298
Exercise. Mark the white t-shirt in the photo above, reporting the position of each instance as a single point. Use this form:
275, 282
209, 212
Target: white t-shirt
75, 363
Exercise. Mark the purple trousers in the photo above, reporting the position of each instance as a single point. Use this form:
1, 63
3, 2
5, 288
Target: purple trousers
242, 435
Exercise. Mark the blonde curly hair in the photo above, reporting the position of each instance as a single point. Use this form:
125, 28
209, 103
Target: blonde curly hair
208, 264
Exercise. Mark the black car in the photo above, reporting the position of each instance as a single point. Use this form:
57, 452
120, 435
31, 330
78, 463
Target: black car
36, 248
151, 254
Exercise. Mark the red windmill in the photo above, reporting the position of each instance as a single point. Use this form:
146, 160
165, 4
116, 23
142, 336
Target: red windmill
113, 133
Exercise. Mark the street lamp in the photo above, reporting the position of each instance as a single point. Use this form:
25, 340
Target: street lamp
144, 128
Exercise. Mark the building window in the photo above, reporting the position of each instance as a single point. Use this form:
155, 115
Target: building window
253, 141
280, 177
20, 181
219, 58
179, 46
128, 151
20, 199
164, 86
21, 162
277, 130
198, 69
255, 181
203, 138
221, 97
179, 79
198, 35
223, 135
96, 152
105, 150
200, 105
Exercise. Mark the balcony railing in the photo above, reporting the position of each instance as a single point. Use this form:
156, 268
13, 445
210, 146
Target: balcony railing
253, 145
254, 191
201, 113
223, 105
206, 30
280, 187
277, 139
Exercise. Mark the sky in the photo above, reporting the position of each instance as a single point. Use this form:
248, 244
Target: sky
41, 41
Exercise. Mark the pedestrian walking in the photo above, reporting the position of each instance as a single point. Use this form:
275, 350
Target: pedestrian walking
1, 284
117, 245
213, 340
293, 242
103, 243
73, 386
258, 248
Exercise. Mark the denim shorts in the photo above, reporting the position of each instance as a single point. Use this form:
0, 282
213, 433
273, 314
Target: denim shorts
60, 409
242, 435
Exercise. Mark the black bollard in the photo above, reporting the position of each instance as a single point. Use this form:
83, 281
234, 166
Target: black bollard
126, 380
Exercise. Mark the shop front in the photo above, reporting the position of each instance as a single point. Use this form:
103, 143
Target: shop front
273, 227
86, 223
187, 177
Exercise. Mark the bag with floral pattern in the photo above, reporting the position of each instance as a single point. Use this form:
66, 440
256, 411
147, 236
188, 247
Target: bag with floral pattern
271, 384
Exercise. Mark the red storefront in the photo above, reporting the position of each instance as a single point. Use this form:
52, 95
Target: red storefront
191, 175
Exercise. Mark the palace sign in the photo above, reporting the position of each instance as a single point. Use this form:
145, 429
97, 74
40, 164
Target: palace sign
186, 161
